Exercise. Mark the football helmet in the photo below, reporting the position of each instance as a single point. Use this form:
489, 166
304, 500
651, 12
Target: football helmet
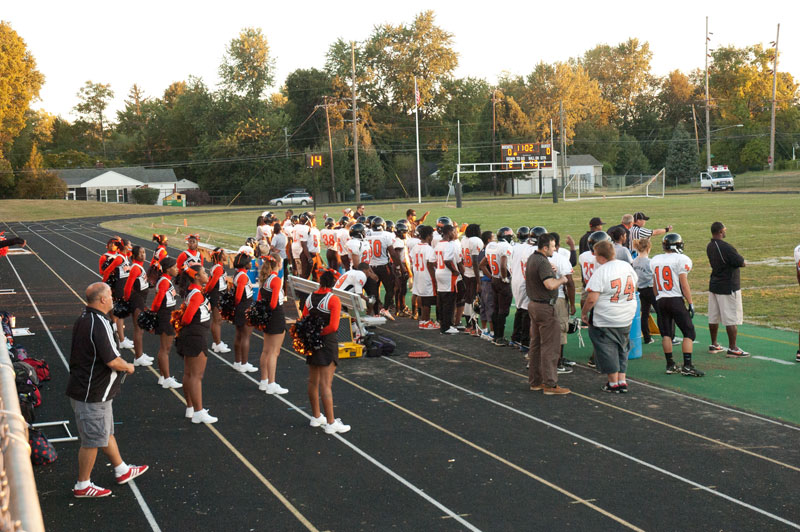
672, 242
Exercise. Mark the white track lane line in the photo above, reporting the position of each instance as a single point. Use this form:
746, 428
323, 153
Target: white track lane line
602, 446
136, 493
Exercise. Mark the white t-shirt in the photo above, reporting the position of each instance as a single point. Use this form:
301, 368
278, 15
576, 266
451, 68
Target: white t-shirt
666, 269
380, 242
313, 240
587, 264
264, 232
342, 236
421, 255
360, 248
445, 279
287, 226
328, 238
494, 251
797, 257
299, 234
279, 242
352, 280
563, 267
519, 259
470, 247
615, 281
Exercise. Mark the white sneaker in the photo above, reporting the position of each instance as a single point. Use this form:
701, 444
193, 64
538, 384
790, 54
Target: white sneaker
318, 421
161, 380
248, 367
170, 382
336, 426
275, 388
189, 412
126, 344
489, 337
147, 357
263, 386
237, 366
451, 330
203, 417
141, 361
220, 348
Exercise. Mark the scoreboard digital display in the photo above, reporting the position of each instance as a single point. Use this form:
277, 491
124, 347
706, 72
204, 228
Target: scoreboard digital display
314, 160
533, 155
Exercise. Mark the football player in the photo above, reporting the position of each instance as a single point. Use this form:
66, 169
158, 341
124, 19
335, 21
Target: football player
497, 262
520, 335
797, 263
471, 246
380, 242
401, 269
447, 274
300, 231
328, 237
423, 286
565, 304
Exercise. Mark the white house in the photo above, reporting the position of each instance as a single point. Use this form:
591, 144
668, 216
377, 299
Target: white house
582, 171
114, 185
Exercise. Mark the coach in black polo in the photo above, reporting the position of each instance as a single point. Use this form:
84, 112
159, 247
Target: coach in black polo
96, 370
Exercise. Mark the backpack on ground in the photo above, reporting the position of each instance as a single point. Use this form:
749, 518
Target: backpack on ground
24, 373
42, 451
41, 367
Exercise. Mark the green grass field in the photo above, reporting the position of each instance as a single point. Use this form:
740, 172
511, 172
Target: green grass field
18, 210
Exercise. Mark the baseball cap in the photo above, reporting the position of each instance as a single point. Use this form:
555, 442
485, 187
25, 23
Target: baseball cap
640, 216
595, 221
247, 250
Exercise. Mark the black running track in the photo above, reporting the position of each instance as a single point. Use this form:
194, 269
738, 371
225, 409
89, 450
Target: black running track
452, 442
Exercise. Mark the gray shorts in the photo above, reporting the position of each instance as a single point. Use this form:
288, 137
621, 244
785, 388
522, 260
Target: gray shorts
95, 422
611, 347
487, 300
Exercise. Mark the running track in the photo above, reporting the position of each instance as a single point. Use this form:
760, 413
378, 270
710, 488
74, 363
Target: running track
453, 442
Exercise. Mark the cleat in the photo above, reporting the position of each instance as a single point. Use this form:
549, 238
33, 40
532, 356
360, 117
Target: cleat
672, 369
691, 371
715, 348
735, 352
500, 342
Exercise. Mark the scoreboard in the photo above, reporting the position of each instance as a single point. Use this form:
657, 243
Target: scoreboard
531, 155
313, 160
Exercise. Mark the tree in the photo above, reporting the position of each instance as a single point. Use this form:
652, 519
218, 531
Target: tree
94, 98
675, 98
631, 159
19, 84
247, 68
38, 183
305, 90
7, 180
681, 157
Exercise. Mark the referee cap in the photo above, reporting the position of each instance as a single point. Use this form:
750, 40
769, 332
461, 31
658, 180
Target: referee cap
640, 216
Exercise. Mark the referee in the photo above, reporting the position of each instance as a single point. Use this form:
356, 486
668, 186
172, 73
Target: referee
640, 231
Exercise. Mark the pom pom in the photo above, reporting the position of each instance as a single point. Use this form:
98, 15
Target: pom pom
122, 309
148, 320
307, 335
112, 279
259, 315
176, 318
227, 305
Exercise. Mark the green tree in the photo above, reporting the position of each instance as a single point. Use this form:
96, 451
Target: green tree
681, 163
305, 90
37, 183
754, 154
94, 99
19, 84
631, 159
7, 181
247, 68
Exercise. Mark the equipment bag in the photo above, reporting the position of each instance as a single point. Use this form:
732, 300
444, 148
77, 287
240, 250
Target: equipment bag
29, 392
42, 451
24, 373
387, 346
41, 367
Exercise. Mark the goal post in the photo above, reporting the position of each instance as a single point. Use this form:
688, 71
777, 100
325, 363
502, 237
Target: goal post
579, 186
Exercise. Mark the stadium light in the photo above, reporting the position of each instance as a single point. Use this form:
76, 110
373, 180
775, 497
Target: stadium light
727, 127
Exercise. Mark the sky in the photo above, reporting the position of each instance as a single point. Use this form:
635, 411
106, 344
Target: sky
156, 43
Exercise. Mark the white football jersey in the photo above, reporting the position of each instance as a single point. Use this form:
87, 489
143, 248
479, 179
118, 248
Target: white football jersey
411, 242
797, 257
360, 248
445, 279
562, 267
342, 236
313, 240
494, 251
587, 264
299, 234
328, 238
616, 282
519, 259
666, 269
564, 253
380, 242
352, 280
421, 255
436, 239
469, 247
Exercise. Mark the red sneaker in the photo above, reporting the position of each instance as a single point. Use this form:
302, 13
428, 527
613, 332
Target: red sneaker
133, 472
429, 325
91, 492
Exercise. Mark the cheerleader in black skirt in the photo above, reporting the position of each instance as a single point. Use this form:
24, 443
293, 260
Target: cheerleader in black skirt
136, 288
242, 298
164, 303
192, 340
322, 363
272, 293
217, 284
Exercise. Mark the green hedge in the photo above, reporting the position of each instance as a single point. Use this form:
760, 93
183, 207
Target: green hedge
145, 195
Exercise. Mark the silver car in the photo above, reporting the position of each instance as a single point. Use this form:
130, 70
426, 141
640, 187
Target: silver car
293, 198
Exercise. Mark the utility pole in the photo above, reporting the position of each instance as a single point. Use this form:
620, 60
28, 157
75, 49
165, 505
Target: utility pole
330, 152
696, 137
286, 140
708, 120
355, 123
494, 131
772, 120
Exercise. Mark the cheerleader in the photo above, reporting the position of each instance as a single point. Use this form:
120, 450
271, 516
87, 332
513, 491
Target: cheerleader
192, 340
191, 255
217, 284
322, 363
242, 298
164, 303
272, 293
136, 288
114, 267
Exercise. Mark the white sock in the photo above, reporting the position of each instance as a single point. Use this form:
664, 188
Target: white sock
82, 484
264, 382
612, 383
121, 469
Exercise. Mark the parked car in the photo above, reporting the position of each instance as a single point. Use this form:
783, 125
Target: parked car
293, 198
366, 196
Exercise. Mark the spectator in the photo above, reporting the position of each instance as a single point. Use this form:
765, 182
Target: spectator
92, 387
620, 239
725, 294
595, 224
647, 298
611, 290
413, 221
797, 263
360, 208
640, 231
542, 289
626, 224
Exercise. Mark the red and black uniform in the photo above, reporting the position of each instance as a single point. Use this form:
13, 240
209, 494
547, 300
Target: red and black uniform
160, 253
187, 258
108, 264
136, 286
122, 274
272, 293
216, 285
164, 303
324, 304
243, 296
196, 320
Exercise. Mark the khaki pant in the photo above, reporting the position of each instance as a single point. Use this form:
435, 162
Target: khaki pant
545, 348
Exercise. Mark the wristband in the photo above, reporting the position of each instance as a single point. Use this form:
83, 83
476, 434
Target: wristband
666, 229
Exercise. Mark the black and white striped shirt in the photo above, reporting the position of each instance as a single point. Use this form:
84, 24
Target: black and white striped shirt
93, 348
637, 232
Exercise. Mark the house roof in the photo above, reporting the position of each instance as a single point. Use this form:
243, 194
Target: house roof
580, 160
78, 176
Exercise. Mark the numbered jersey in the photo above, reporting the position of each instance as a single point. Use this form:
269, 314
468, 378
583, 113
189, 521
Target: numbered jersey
562, 267
445, 278
587, 263
313, 240
666, 269
299, 234
352, 280
342, 237
519, 259
380, 242
494, 252
797, 257
328, 238
421, 255
359, 248
615, 282
470, 247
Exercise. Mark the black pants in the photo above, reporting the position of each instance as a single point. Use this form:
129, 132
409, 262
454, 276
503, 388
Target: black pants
522, 327
371, 288
445, 309
400, 291
333, 259
647, 299
386, 278
502, 304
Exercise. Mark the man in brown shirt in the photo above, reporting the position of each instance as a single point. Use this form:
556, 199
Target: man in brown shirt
541, 286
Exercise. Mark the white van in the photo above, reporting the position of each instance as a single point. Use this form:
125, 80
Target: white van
716, 178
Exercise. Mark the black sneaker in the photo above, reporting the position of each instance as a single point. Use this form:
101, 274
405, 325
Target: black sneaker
797, 358
691, 371
623, 388
610, 389
500, 342
592, 363
673, 368
568, 362
649, 341
563, 369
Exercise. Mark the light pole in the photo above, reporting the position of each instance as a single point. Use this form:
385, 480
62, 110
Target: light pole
708, 141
